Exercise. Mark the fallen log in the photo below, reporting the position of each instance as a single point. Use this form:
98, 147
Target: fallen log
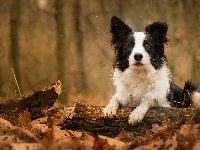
35, 102
89, 118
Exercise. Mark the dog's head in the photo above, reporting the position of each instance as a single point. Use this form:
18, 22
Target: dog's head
138, 50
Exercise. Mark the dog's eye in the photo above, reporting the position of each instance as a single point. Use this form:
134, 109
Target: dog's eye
129, 46
147, 46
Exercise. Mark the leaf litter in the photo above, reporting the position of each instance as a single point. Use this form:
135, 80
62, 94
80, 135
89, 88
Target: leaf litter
46, 134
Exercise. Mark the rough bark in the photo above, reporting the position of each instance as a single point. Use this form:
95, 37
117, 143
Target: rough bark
35, 103
89, 118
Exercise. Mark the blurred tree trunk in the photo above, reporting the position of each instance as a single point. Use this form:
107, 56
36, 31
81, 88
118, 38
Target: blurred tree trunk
2, 92
192, 7
14, 39
120, 8
82, 84
121, 11
61, 47
173, 16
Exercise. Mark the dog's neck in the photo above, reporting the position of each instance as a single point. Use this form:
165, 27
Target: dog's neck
131, 75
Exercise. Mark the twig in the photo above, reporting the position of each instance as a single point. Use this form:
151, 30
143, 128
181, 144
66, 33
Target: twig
16, 82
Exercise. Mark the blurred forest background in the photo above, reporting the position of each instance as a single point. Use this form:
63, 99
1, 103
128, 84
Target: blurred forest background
42, 41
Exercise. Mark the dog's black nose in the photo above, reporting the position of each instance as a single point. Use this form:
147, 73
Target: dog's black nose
138, 56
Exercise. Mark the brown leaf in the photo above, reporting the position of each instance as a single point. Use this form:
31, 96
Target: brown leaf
197, 145
156, 128
71, 143
26, 146
38, 127
187, 136
50, 122
48, 140
171, 143
106, 143
5, 141
124, 137
25, 118
76, 140
7, 127
155, 145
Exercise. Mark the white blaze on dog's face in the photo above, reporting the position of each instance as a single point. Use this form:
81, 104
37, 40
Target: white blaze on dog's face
139, 58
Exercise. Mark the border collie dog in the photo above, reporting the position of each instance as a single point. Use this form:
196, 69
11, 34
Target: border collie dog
140, 73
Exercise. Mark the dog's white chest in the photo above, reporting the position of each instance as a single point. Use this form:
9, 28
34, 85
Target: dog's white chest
132, 88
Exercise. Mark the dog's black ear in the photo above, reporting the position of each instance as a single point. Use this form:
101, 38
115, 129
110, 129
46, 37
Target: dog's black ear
158, 30
119, 30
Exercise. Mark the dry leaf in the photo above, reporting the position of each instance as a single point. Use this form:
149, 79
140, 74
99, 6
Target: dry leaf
5, 142
156, 128
187, 136
197, 145
25, 118
124, 137
48, 140
5, 126
106, 143
26, 146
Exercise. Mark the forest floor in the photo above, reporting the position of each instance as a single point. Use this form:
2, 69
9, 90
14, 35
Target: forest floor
20, 131
46, 133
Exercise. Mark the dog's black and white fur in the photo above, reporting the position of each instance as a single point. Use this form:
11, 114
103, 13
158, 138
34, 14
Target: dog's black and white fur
140, 74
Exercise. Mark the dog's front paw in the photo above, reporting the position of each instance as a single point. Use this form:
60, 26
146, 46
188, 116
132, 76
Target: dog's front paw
110, 111
135, 117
